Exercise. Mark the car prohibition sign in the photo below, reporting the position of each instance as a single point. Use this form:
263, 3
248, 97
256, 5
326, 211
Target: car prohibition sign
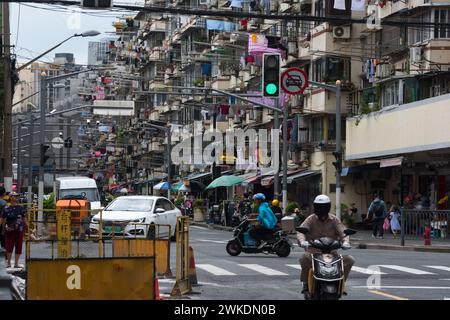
294, 81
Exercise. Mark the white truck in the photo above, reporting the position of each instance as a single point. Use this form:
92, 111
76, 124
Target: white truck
78, 186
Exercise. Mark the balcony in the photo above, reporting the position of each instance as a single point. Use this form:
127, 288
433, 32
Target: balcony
158, 26
419, 126
192, 24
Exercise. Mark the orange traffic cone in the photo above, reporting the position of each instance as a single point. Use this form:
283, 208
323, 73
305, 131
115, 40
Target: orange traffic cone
192, 271
157, 297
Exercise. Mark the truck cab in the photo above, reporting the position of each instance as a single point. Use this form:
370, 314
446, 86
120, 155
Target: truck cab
78, 186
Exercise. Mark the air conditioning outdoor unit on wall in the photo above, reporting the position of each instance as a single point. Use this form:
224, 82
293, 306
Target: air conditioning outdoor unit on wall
204, 1
342, 32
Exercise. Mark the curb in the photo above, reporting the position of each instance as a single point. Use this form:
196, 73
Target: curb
211, 226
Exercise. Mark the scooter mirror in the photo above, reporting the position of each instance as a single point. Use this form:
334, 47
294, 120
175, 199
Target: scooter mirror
302, 230
349, 232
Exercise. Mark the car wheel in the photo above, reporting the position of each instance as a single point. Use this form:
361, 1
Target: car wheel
283, 250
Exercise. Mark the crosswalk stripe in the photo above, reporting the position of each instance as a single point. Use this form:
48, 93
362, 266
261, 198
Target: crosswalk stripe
295, 266
439, 267
405, 269
263, 270
366, 270
215, 270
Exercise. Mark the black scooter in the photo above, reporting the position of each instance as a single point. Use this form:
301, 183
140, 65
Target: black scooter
326, 278
278, 244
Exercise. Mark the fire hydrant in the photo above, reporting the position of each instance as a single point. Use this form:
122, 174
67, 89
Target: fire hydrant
427, 235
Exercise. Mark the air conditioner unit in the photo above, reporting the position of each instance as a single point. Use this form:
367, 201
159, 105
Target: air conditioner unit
415, 54
341, 32
204, 1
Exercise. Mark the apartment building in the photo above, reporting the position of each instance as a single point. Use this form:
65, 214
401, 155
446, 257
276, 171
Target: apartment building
401, 124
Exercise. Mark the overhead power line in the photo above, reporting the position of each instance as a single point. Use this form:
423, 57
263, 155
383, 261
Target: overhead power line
243, 15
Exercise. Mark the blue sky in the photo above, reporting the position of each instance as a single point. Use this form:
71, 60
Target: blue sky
40, 29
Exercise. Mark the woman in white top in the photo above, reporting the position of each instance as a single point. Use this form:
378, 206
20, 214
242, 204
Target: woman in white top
395, 220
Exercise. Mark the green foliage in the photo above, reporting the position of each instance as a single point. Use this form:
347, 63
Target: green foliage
291, 206
198, 203
50, 203
255, 208
178, 202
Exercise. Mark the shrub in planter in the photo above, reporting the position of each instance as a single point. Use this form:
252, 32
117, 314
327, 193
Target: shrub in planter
291, 206
199, 203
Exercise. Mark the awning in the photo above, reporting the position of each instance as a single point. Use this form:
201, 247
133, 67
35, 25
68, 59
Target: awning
303, 175
269, 179
361, 168
196, 176
391, 162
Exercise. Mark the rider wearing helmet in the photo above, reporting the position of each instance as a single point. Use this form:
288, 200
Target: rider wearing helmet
277, 210
266, 218
322, 224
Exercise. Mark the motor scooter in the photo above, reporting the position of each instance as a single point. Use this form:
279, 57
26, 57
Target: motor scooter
326, 278
242, 241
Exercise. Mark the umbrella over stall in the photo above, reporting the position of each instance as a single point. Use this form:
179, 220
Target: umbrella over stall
162, 186
225, 181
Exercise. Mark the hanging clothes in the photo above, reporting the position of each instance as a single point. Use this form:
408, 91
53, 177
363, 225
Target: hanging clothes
339, 4
224, 109
358, 5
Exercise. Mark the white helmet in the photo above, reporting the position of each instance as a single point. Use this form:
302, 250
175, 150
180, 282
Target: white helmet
322, 206
321, 198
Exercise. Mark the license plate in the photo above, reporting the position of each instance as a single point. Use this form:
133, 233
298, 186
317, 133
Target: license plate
117, 229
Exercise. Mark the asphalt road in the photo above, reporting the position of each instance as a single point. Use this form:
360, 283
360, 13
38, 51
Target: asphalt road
405, 274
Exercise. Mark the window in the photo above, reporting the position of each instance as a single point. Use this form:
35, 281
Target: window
164, 204
129, 204
419, 34
319, 10
441, 16
317, 131
390, 94
330, 69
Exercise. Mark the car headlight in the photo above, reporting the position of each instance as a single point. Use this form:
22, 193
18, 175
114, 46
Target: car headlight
141, 220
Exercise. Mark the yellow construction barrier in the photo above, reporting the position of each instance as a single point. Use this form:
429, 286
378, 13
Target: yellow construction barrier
182, 284
142, 247
130, 278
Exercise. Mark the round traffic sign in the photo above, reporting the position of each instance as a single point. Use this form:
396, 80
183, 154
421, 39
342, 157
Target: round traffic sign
294, 81
57, 143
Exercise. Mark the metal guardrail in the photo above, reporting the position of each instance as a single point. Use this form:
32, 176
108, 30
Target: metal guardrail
413, 223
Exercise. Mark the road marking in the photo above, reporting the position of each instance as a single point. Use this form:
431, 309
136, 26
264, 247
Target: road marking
405, 269
215, 270
213, 241
197, 227
263, 270
387, 295
366, 270
403, 287
295, 266
439, 267
166, 280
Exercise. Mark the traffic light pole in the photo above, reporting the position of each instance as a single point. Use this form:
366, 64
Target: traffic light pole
338, 149
276, 179
285, 161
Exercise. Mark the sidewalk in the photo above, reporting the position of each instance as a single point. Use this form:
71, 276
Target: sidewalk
363, 240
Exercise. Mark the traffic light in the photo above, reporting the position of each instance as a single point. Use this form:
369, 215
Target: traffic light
96, 4
271, 75
338, 163
68, 143
44, 157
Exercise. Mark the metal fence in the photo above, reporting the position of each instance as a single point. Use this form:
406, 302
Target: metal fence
413, 223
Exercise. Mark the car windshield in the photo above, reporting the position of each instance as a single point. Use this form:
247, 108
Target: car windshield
90, 194
130, 204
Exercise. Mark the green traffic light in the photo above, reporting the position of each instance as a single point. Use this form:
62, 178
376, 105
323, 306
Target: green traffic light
271, 88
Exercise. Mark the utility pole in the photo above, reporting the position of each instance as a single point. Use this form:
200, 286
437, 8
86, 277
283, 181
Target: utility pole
338, 149
30, 159
19, 167
43, 106
7, 82
68, 149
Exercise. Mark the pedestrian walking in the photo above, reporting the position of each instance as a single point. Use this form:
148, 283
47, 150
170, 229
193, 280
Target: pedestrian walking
377, 212
14, 224
395, 220
3, 204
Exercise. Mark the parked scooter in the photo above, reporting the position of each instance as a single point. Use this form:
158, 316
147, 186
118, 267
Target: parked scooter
279, 243
326, 278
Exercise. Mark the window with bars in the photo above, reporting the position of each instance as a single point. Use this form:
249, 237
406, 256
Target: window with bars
441, 16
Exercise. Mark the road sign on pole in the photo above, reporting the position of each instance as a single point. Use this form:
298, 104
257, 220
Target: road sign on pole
294, 81
57, 143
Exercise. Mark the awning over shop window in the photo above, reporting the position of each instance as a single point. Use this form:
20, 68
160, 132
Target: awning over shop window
302, 175
391, 162
361, 168
196, 176
269, 179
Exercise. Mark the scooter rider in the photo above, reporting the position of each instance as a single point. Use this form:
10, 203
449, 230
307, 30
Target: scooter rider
322, 224
266, 218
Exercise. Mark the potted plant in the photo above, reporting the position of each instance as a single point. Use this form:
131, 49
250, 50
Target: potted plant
199, 210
